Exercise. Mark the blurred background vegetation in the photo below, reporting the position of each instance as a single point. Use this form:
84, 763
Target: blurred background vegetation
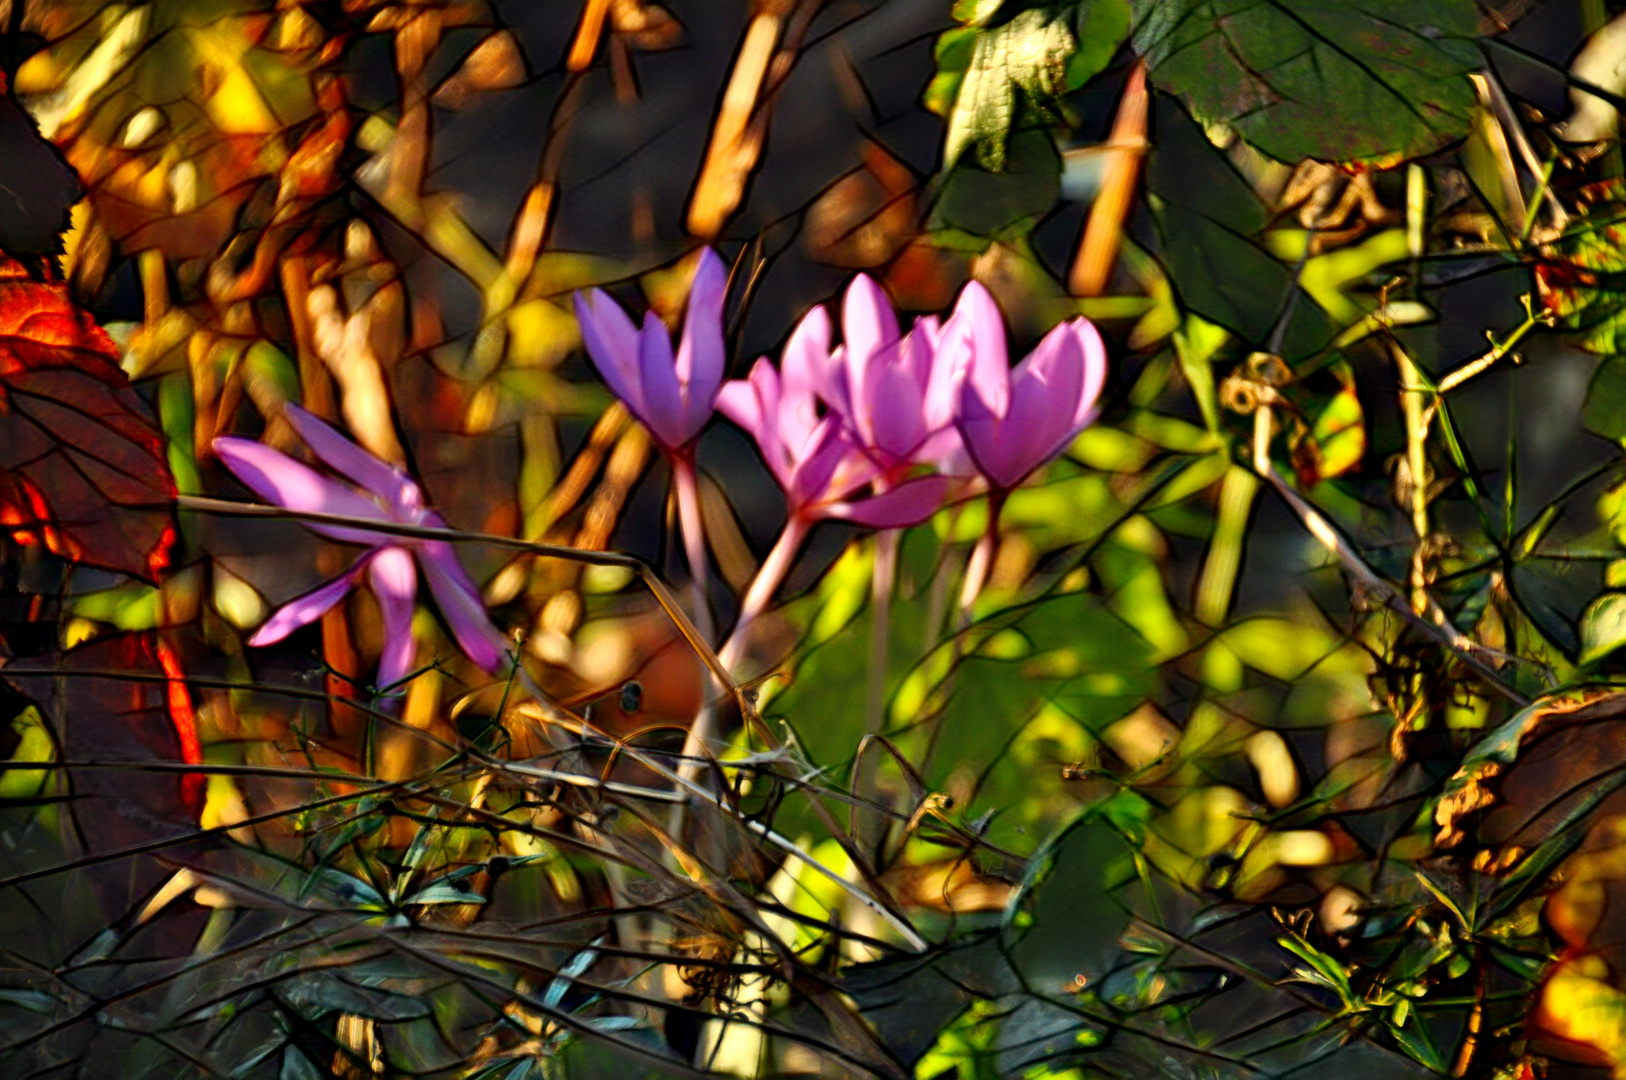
1284, 740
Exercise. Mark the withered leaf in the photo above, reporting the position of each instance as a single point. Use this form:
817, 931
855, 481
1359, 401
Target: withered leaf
82, 464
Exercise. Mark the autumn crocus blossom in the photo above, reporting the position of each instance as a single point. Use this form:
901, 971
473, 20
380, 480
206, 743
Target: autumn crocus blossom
818, 460
1012, 421
671, 394
896, 397
391, 563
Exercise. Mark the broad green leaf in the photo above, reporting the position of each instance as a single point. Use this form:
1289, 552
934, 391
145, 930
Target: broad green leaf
1603, 627
1338, 436
1208, 220
1100, 27
989, 204
1340, 80
1076, 912
128, 607
1605, 410
33, 744
976, 12
1029, 55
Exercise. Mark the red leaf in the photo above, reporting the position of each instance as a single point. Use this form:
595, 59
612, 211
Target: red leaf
112, 701
82, 466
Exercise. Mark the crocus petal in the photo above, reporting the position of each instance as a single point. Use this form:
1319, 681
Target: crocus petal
807, 370
460, 605
279, 479
395, 584
816, 461
1095, 371
1045, 389
306, 609
982, 432
663, 395
612, 343
978, 350
910, 503
700, 355
753, 404
868, 326
944, 450
379, 477
892, 417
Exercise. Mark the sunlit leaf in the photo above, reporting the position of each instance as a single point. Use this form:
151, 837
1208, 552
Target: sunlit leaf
1340, 81
87, 473
1603, 627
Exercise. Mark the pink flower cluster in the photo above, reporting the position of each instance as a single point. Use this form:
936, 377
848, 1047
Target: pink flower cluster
876, 429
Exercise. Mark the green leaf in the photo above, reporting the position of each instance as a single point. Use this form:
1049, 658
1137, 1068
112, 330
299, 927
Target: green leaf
1605, 410
1077, 913
976, 12
1208, 220
1603, 627
989, 204
1100, 27
1028, 54
953, 55
128, 607
34, 743
1340, 80
571, 971
444, 892
1583, 282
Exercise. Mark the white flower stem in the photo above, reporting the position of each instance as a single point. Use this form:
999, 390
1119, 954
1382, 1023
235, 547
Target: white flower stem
883, 580
769, 577
691, 523
982, 558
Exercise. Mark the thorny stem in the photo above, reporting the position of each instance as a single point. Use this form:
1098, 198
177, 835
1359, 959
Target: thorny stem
1436, 625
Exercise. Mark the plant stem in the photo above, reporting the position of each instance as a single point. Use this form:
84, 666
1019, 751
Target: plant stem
757, 597
982, 558
882, 581
770, 575
692, 524
1218, 582
1413, 404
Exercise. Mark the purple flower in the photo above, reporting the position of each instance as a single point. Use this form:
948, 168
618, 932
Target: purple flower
392, 563
816, 459
891, 389
672, 396
1013, 421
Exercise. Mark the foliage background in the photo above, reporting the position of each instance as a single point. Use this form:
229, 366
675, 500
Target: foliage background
1283, 741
